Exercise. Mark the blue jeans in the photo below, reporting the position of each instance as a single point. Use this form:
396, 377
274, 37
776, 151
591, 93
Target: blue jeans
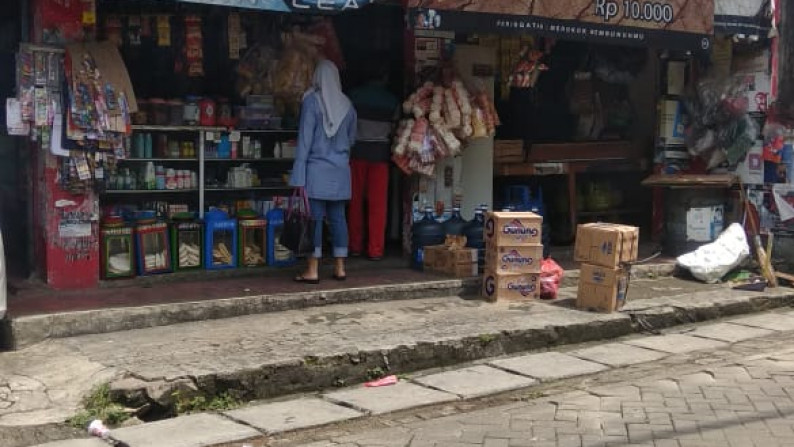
332, 211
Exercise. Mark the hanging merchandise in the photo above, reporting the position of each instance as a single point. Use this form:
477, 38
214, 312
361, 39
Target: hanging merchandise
234, 34
720, 129
255, 71
113, 30
527, 70
163, 31
194, 47
295, 69
330, 47
134, 30
440, 118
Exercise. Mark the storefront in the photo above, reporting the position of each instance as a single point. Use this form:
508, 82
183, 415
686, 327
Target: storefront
164, 131
577, 87
583, 101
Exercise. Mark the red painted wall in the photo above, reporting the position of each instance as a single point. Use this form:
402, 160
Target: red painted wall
65, 263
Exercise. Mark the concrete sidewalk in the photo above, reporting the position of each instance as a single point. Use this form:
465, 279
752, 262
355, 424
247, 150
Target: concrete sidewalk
267, 355
683, 404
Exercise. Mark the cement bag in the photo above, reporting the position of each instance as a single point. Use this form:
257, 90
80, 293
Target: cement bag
711, 262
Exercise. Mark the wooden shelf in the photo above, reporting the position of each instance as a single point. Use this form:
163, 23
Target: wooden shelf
691, 180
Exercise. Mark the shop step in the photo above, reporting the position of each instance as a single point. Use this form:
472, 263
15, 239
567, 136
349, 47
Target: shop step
21, 331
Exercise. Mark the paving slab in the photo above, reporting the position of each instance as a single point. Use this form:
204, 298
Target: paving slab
289, 415
88, 442
617, 354
731, 333
475, 381
549, 366
387, 399
771, 321
197, 430
676, 343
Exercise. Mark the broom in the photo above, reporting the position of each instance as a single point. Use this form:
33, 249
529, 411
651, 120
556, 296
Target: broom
761, 255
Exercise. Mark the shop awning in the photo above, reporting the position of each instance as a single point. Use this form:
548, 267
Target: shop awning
314, 6
748, 17
672, 24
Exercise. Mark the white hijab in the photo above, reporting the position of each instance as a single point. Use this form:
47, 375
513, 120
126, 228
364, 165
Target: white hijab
333, 103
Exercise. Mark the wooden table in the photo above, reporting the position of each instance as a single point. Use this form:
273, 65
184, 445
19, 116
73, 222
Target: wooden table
571, 159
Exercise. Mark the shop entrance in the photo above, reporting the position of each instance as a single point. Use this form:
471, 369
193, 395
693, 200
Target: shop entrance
14, 162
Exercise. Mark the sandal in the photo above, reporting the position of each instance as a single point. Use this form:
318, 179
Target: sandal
303, 280
339, 277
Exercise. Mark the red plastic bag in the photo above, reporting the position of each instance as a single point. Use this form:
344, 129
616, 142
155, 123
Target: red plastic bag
550, 277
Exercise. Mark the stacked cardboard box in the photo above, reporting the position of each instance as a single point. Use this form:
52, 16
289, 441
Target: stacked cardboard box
513, 255
452, 258
604, 249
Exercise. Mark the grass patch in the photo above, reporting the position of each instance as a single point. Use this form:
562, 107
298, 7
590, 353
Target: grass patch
200, 403
98, 405
376, 373
486, 339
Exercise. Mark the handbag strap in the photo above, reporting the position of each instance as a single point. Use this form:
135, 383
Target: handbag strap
299, 193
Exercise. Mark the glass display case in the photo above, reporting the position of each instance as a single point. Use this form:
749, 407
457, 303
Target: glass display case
152, 248
118, 253
253, 242
187, 245
220, 241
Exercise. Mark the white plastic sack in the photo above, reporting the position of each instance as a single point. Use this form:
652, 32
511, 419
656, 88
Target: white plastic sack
711, 262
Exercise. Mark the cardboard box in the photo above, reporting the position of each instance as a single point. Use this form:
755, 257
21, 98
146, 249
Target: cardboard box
508, 151
606, 244
671, 122
469, 270
510, 286
515, 258
513, 228
601, 288
430, 255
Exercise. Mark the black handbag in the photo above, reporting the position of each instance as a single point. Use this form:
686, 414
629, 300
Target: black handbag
298, 233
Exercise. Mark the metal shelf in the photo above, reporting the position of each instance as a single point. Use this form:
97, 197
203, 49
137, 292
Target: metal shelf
154, 128
148, 191
295, 131
158, 159
252, 188
247, 160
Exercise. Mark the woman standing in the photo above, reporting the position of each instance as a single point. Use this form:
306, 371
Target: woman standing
326, 132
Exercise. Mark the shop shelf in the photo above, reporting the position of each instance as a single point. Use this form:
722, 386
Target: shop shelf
266, 130
144, 160
147, 191
248, 160
252, 188
614, 211
153, 128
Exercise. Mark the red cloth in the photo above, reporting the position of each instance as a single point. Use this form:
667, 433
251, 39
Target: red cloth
370, 184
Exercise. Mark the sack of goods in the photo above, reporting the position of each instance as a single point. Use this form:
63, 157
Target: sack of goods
604, 249
514, 255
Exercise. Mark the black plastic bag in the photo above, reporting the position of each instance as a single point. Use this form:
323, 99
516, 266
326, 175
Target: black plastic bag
298, 233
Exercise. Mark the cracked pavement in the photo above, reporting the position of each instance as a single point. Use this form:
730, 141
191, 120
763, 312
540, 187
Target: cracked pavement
739, 395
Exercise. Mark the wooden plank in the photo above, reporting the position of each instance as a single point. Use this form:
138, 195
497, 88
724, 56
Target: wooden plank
691, 180
586, 150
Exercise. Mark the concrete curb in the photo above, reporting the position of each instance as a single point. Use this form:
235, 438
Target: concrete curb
25, 331
315, 373
260, 417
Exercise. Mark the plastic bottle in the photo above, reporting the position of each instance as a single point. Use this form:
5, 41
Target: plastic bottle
149, 176
160, 176
425, 232
455, 224
147, 145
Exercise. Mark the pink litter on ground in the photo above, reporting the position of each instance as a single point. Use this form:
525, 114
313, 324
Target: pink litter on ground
386, 381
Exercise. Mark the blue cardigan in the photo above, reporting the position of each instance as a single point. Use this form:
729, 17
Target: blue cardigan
322, 164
